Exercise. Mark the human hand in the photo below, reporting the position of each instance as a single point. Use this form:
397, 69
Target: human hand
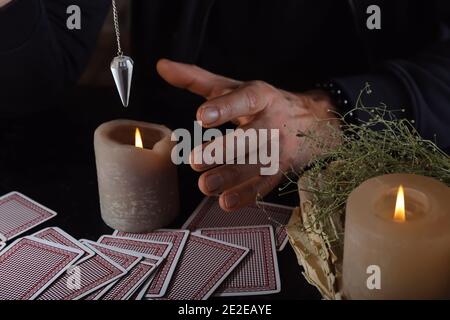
258, 105
4, 2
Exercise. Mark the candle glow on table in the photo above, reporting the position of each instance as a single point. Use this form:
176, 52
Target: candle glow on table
137, 180
399, 224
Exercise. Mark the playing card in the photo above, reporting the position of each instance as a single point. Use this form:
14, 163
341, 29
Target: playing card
131, 282
29, 265
163, 275
56, 235
209, 215
203, 266
137, 275
19, 213
140, 291
2, 242
94, 273
126, 259
258, 273
148, 247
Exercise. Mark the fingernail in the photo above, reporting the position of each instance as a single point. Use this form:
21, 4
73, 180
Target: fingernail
210, 115
231, 200
213, 182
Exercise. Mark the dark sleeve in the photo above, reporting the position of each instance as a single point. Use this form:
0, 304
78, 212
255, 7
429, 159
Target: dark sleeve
420, 85
39, 55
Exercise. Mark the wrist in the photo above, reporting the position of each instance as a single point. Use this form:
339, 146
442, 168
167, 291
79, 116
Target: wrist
321, 102
336, 94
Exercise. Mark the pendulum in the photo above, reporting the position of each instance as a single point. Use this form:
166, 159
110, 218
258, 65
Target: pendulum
121, 66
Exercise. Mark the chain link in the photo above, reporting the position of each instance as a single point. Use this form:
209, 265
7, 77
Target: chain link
116, 28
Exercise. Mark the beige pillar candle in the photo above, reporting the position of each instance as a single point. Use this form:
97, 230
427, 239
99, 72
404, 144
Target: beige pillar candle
137, 184
395, 254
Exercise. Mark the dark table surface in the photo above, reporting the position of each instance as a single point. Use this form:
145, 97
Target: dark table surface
49, 157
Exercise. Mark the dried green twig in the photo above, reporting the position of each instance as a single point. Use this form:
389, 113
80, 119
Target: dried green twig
394, 147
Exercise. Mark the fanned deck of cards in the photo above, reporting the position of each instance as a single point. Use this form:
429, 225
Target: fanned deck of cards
138, 271
209, 215
226, 254
163, 276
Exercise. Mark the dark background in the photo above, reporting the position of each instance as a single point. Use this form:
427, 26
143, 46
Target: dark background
49, 157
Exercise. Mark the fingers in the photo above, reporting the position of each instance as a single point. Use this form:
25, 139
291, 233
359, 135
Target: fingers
243, 102
195, 79
239, 146
217, 180
248, 192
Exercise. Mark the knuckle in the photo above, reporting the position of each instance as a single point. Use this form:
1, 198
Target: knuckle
263, 86
265, 89
259, 84
252, 99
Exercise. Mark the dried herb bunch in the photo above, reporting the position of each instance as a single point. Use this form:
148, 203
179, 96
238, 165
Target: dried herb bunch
394, 147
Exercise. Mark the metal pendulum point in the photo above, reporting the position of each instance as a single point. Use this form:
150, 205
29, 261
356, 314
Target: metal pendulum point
122, 70
121, 66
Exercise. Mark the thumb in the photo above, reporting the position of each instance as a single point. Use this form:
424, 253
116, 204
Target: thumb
195, 79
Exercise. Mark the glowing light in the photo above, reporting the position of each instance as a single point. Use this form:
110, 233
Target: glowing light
400, 212
138, 139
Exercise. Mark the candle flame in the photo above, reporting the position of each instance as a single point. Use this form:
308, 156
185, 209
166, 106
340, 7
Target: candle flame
400, 212
138, 139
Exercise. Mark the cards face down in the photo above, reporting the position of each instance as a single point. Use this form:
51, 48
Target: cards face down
19, 214
126, 259
56, 235
203, 266
124, 286
258, 273
130, 283
94, 273
148, 248
145, 247
160, 282
229, 254
209, 215
29, 265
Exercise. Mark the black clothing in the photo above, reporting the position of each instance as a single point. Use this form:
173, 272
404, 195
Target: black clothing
291, 44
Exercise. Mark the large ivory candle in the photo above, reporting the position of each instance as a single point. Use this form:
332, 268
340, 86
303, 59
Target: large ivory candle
392, 253
137, 180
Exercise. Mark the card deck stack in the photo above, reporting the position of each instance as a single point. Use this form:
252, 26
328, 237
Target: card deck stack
163, 276
226, 254
138, 272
